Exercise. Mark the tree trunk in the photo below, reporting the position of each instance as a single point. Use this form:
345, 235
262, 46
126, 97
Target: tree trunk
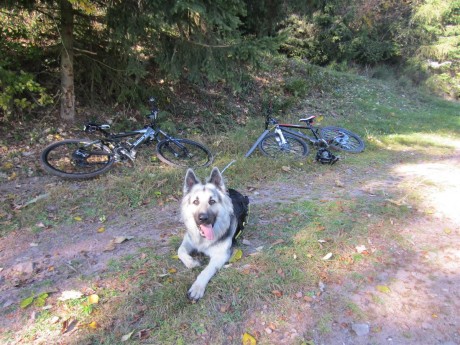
67, 76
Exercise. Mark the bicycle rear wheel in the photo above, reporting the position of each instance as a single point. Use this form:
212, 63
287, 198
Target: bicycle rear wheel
77, 158
342, 139
184, 153
272, 147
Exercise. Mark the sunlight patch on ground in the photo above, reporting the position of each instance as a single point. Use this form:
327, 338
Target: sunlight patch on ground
428, 141
441, 185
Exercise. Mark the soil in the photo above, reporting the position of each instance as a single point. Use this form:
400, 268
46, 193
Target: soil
424, 277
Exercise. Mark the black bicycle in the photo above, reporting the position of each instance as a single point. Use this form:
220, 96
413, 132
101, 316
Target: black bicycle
84, 158
277, 140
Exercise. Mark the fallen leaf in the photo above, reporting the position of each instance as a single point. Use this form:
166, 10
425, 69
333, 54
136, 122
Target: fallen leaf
396, 202
276, 242
144, 334
360, 248
237, 255
121, 239
26, 302
161, 183
93, 325
70, 294
277, 293
249, 339
12, 176
93, 299
101, 229
7, 166
77, 218
172, 270
327, 256
54, 320
286, 168
447, 231
40, 300
225, 307
126, 337
68, 325
383, 288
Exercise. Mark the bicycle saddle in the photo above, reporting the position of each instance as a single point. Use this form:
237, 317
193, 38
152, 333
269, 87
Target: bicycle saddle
308, 119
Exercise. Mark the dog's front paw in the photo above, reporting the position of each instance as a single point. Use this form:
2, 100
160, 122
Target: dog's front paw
190, 262
196, 292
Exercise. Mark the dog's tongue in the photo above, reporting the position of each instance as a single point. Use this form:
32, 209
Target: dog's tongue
207, 230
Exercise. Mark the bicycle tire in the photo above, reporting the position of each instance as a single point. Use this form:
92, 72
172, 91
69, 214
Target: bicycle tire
296, 147
342, 139
74, 159
192, 154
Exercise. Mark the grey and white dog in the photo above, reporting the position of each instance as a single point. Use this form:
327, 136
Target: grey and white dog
208, 214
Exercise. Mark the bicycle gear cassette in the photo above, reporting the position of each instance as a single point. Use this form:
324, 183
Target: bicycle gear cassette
324, 156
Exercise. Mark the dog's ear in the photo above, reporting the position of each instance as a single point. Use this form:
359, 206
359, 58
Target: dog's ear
217, 179
190, 181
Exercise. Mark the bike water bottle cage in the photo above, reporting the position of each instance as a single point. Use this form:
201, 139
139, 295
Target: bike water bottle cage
308, 120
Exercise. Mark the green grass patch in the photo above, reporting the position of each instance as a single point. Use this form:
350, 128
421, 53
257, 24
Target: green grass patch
292, 237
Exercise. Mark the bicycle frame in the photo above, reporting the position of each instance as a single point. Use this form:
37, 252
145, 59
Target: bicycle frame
149, 133
279, 128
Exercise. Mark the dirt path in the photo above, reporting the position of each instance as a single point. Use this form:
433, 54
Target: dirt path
422, 308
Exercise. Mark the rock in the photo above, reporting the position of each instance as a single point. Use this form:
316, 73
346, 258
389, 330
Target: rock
24, 267
339, 183
360, 328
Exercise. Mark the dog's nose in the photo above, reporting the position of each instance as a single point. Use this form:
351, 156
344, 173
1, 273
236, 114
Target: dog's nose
203, 217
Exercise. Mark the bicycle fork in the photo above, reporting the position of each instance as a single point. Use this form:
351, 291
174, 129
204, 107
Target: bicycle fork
281, 140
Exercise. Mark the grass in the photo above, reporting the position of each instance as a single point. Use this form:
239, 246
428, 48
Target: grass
293, 229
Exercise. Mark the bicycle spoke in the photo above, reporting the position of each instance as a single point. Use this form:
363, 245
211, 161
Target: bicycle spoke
294, 148
184, 153
76, 159
342, 139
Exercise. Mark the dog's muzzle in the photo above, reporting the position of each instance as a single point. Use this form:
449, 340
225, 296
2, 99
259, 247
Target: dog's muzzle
205, 225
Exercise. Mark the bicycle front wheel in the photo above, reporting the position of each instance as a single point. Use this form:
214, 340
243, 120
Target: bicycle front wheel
294, 148
342, 139
77, 158
184, 153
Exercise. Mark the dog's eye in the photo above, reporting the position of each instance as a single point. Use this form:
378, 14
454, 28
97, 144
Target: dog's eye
196, 202
212, 202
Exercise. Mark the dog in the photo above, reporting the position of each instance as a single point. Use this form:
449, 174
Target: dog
213, 217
